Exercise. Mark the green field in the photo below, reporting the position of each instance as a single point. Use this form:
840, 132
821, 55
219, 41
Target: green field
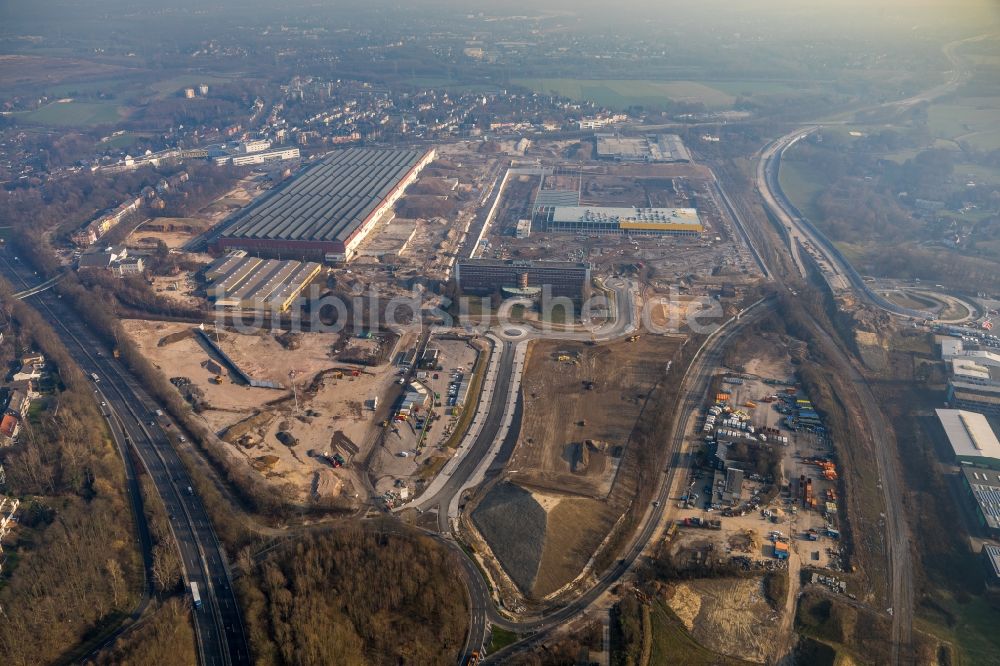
802, 182
750, 87
70, 114
499, 639
622, 93
169, 86
967, 116
972, 629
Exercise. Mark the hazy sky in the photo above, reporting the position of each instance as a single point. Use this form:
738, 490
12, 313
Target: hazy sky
810, 18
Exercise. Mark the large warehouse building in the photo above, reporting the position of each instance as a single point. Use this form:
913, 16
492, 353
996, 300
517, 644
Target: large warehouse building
983, 487
325, 212
523, 278
971, 437
649, 148
974, 381
613, 220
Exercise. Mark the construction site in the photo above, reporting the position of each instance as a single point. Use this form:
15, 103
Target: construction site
285, 403
682, 237
574, 470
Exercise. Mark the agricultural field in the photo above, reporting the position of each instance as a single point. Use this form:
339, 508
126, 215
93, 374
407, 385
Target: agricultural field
74, 114
622, 93
972, 119
19, 70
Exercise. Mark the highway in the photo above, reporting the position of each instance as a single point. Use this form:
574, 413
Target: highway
218, 624
800, 230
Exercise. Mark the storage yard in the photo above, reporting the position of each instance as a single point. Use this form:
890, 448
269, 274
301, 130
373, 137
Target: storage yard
766, 489
423, 419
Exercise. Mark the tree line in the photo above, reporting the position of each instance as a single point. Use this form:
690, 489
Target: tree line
75, 566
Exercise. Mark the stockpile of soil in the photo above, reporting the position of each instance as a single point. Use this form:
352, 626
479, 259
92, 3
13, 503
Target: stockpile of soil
513, 524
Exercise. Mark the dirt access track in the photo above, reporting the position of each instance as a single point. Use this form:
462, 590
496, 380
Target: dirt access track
573, 472
581, 403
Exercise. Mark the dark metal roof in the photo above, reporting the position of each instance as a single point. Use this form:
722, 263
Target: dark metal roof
328, 201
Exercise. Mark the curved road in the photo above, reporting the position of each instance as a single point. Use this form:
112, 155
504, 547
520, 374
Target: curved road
218, 624
693, 387
799, 230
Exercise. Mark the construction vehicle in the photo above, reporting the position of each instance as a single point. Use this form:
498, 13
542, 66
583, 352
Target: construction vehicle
473, 659
116, 352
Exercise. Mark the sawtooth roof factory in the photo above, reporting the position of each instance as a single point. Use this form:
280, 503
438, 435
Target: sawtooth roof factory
327, 210
250, 283
613, 220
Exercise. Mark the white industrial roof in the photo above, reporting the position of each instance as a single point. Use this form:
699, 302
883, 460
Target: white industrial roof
969, 433
615, 214
951, 347
982, 365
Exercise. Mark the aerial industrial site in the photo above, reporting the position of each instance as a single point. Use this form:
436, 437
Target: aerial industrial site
609, 336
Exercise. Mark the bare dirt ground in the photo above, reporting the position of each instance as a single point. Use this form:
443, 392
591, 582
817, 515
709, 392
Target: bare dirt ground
729, 616
564, 495
580, 404
324, 414
173, 231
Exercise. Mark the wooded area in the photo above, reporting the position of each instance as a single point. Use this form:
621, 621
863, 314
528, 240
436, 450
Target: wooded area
355, 596
74, 565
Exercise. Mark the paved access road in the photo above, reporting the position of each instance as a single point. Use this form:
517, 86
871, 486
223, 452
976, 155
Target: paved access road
494, 418
219, 625
694, 386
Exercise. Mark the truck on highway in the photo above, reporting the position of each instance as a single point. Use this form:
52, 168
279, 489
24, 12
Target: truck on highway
94, 376
195, 596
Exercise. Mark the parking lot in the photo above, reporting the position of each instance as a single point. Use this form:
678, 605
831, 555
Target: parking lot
413, 447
